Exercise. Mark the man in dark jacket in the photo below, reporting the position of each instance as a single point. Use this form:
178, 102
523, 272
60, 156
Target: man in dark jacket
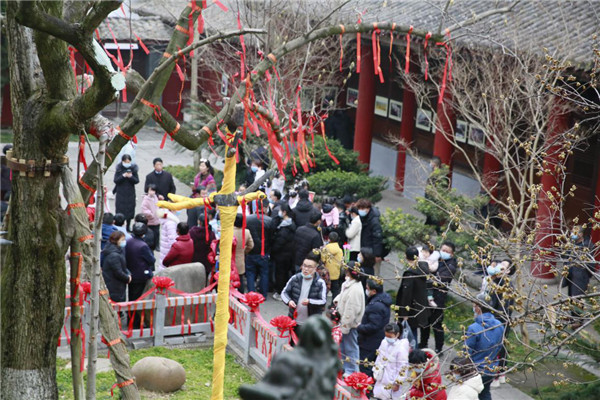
306, 293
412, 293
371, 234
283, 250
114, 267
303, 209
444, 275
162, 179
149, 236
307, 238
257, 261
140, 261
375, 318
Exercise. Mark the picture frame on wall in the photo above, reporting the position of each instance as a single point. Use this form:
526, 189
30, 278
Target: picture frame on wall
424, 120
352, 97
476, 136
462, 131
381, 106
328, 97
307, 98
224, 84
395, 111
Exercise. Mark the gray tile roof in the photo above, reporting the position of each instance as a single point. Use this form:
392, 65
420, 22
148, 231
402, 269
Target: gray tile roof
564, 27
147, 28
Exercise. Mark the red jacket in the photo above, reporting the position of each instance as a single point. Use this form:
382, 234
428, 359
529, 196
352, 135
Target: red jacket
427, 386
181, 251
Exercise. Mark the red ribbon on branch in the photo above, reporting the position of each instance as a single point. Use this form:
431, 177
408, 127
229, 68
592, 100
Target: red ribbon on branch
407, 66
447, 67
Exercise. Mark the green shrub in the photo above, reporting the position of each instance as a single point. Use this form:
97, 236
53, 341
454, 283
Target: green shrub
338, 183
323, 162
401, 230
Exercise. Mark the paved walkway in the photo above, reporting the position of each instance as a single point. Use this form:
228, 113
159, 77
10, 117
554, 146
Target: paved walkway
148, 148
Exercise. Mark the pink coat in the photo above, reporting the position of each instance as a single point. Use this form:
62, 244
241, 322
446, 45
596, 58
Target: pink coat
150, 208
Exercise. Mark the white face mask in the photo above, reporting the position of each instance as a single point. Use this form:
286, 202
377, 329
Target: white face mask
359, 258
391, 340
348, 279
368, 292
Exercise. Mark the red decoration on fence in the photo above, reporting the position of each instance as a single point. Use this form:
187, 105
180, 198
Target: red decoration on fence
162, 283
359, 381
285, 325
253, 300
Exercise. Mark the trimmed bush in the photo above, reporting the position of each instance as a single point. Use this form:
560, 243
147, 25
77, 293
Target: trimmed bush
338, 183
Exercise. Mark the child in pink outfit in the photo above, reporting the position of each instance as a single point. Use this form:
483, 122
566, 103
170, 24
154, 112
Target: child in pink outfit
168, 233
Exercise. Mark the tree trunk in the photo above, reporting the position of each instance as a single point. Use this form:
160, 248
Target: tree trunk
33, 267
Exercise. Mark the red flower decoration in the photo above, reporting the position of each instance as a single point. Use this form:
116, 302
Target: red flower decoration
253, 300
359, 381
283, 323
162, 283
86, 287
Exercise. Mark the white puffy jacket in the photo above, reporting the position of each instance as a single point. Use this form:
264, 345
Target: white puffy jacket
168, 233
468, 390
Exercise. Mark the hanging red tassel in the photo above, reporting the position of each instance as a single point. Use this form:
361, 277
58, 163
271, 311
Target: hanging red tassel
447, 68
407, 66
376, 48
335, 160
82, 152
142, 45
182, 78
358, 49
341, 45
206, 222
221, 6
244, 208
302, 150
427, 37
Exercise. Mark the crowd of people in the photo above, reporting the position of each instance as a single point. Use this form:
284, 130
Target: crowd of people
306, 252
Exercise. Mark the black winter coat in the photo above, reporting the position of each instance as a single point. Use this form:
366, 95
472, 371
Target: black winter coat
164, 183
302, 212
254, 225
375, 318
445, 273
579, 275
125, 190
140, 260
284, 248
293, 288
307, 238
412, 293
372, 234
115, 272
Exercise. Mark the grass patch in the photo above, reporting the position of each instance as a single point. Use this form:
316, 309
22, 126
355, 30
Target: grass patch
7, 136
570, 391
186, 174
196, 362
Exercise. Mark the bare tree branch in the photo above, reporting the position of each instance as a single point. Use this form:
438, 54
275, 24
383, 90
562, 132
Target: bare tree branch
97, 14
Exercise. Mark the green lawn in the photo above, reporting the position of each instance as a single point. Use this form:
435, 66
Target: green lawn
198, 368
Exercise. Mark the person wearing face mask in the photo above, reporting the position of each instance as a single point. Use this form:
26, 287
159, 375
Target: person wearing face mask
353, 233
292, 197
371, 234
283, 249
351, 306
126, 177
305, 293
376, 316
447, 267
275, 204
466, 381
411, 298
483, 342
499, 291
425, 374
391, 364
114, 267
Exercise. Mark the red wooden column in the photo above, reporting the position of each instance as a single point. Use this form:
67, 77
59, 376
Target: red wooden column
409, 112
365, 113
547, 218
446, 123
596, 232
